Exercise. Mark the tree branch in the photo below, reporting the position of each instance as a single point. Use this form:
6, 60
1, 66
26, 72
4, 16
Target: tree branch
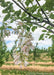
32, 15
22, 4
41, 26
42, 10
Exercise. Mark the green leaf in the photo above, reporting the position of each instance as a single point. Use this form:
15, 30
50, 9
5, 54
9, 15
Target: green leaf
10, 27
27, 18
5, 23
17, 13
43, 30
28, 2
7, 17
32, 9
41, 37
49, 5
33, 28
51, 36
28, 28
45, 36
49, 27
52, 16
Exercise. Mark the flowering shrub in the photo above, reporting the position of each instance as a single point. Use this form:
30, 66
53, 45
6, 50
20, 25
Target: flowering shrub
24, 43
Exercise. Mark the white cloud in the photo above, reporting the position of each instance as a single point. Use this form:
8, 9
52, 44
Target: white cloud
36, 34
45, 42
10, 45
12, 38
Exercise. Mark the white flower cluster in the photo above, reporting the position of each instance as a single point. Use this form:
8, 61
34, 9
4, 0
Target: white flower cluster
24, 42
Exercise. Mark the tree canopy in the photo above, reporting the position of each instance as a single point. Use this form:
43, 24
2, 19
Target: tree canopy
32, 13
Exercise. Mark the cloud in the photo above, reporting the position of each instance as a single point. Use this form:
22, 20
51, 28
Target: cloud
10, 45
11, 38
42, 43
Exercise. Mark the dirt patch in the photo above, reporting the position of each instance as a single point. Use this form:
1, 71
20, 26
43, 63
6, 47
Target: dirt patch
9, 62
28, 68
33, 63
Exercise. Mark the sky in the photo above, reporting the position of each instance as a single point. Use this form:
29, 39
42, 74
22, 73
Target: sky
36, 34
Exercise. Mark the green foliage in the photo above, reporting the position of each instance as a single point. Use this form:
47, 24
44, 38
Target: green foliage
51, 36
17, 13
23, 15
2, 52
7, 55
52, 16
26, 27
49, 5
20, 72
7, 17
28, 2
29, 13
52, 52
33, 28
41, 37
32, 9
43, 30
10, 27
35, 53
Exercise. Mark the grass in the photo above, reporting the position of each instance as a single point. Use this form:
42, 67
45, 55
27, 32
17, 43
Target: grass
40, 60
43, 65
31, 70
17, 72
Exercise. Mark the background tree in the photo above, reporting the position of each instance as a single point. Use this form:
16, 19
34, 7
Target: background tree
7, 53
35, 52
52, 51
3, 48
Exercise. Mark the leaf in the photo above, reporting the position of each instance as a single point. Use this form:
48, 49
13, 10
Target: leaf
5, 23
48, 34
41, 37
49, 5
10, 27
28, 2
52, 16
51, 36
43, 30
27, 18
7, 17
32, 9
33, 28
45, 36
28, 28
17, 13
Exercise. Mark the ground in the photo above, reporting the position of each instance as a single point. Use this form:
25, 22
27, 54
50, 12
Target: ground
41, 66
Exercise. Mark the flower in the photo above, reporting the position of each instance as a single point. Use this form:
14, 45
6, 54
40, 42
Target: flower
20, 23
24, 42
